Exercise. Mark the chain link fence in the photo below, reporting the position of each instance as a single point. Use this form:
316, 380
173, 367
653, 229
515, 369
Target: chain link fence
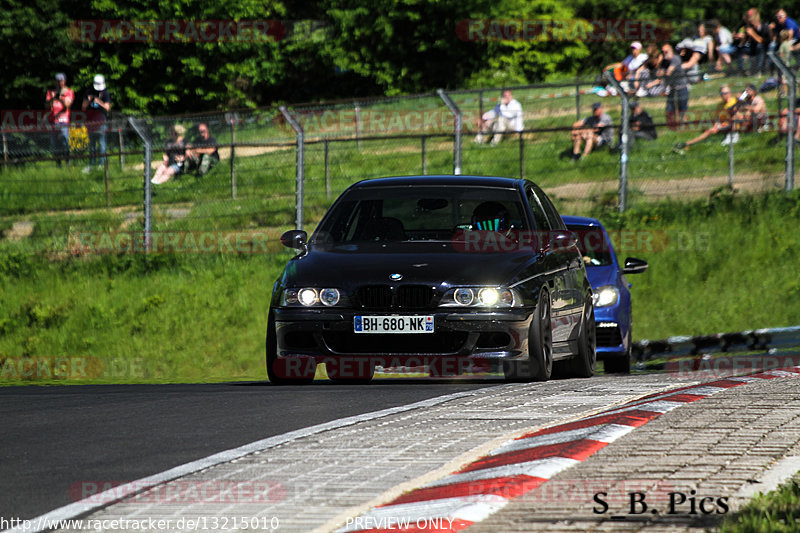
280, 168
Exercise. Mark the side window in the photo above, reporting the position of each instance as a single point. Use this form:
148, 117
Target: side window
550, 211
539, 218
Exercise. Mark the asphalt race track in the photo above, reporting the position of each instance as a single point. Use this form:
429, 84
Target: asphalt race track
54, 437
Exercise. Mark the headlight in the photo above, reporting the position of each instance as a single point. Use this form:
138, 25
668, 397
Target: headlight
464, 296
480, 297
311, 296
307, 297
329, 296
605, 296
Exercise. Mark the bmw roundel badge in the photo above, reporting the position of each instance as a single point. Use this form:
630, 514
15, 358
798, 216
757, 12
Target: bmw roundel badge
396, 277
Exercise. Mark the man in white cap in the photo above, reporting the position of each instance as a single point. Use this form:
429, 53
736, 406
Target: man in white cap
625, 70
58, 101
96, 104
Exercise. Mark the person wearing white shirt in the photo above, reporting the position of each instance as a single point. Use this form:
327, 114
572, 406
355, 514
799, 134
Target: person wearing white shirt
725, 46
505, 117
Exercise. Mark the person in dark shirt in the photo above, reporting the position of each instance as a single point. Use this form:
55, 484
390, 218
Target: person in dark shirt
641, 124
754, 38
671, 70
595, 130
202, 153
96, 104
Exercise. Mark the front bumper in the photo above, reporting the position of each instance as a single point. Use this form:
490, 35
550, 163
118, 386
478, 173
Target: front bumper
613, 332
481, 337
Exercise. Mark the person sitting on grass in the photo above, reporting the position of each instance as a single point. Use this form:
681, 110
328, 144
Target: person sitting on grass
724, 113
595, 130
752, 110
174, 156
505, 117
202, 154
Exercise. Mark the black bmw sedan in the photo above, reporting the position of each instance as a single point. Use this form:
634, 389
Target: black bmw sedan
454, 274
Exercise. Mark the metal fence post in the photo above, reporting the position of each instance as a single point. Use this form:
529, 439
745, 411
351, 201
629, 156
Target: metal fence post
577, 98
5, 152
232, 118
424, 155
456, 130
121, 149
623, 141
521, 156
148, 198
300, 164
357, 114
790, 117
327, 171
730, 155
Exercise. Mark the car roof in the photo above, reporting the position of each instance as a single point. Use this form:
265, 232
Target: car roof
571, 220
439, 179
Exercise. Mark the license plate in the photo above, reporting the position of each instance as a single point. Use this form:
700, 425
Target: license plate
393, 324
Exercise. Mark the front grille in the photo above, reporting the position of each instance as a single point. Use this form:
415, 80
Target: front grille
414, 297
375, 297
609, 336
403, 297
441, 343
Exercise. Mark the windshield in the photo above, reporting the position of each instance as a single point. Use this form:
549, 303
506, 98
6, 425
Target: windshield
594, 247
422, 213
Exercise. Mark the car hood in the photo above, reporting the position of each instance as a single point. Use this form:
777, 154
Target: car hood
601, 275
424, 263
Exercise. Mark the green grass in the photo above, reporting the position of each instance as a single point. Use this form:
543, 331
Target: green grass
774, 512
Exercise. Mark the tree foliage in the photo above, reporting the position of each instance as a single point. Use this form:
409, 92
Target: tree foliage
329, 49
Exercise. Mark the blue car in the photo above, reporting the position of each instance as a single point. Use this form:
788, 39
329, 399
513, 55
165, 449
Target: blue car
612, 296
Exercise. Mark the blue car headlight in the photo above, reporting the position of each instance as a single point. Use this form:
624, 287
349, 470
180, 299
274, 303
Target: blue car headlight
311, 297
605, 296
481, 297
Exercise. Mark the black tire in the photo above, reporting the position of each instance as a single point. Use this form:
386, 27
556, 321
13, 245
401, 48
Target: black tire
584, 362
539, 365
618, 365
276, 377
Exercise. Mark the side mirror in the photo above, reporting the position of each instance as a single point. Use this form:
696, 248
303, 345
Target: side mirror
634, 266
296, 238
561, 240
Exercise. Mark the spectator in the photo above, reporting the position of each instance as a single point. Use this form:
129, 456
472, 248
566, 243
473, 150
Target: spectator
724, 122
649, 84
96, 104
595, 130
641, 124
202, 154
174, 156
752, 110
785, 48
675, 79
755, 38
58, 101
505, 117
626, 70
724, 45
785, 22
695, 51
